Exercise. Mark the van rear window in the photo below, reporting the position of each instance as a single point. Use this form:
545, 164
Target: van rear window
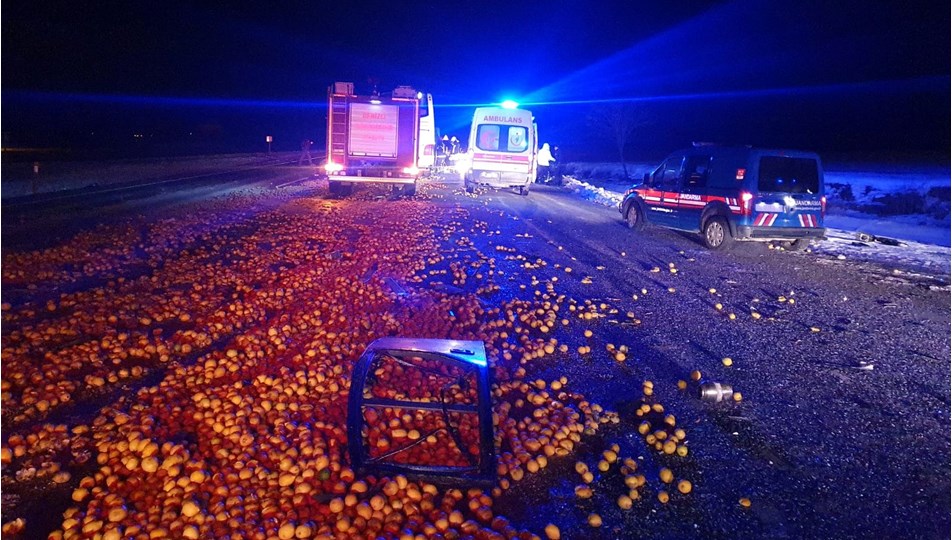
788, 175
502, 138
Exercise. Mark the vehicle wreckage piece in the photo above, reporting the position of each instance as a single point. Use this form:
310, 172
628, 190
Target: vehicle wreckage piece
440, 384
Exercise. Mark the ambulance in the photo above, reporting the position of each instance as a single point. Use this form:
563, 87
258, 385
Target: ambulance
503, 143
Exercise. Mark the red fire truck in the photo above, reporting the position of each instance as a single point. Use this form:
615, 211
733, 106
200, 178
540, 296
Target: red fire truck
386, 138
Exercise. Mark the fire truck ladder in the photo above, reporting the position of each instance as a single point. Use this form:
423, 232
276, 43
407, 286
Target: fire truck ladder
338, 114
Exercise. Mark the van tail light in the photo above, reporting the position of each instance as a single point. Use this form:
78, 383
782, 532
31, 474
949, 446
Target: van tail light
823, 206
746, 203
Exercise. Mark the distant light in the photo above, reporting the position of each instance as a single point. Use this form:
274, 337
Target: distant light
419, 95
267, 138
509, 104
375, 101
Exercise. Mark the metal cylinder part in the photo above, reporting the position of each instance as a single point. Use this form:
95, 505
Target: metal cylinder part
715, 392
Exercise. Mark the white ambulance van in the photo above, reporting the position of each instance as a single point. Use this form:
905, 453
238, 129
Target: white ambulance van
503, 144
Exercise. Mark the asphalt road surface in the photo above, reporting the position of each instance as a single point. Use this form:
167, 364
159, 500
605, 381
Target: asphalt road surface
843, 426
842, 368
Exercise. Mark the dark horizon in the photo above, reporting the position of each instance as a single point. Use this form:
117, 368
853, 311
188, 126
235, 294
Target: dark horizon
140, 80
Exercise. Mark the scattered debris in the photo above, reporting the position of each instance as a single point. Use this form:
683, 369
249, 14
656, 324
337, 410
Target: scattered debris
369, 273
397, 289
715, 392
866, 237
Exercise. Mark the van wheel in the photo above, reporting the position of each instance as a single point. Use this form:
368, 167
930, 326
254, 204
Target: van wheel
716, 233
523, 190
409, 190
470, 187
634, 218
798, 245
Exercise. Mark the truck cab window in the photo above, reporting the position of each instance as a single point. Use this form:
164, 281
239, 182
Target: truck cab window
672, 169
425, 106
657, 177
694, 173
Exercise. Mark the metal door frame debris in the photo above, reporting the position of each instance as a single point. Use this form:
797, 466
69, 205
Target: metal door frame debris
469, 356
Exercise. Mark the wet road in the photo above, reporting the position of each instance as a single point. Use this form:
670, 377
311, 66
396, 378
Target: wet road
843, 367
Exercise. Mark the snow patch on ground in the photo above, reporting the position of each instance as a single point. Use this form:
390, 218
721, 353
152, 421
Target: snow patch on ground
929, 259
924, 247
913, 228
596, 194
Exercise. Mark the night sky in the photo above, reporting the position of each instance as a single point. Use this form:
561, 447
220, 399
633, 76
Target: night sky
861, 77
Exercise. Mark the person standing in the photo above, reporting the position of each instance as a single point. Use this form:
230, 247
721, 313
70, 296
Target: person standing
445, 147
555, 167
306, 152
543, 159
444, 152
